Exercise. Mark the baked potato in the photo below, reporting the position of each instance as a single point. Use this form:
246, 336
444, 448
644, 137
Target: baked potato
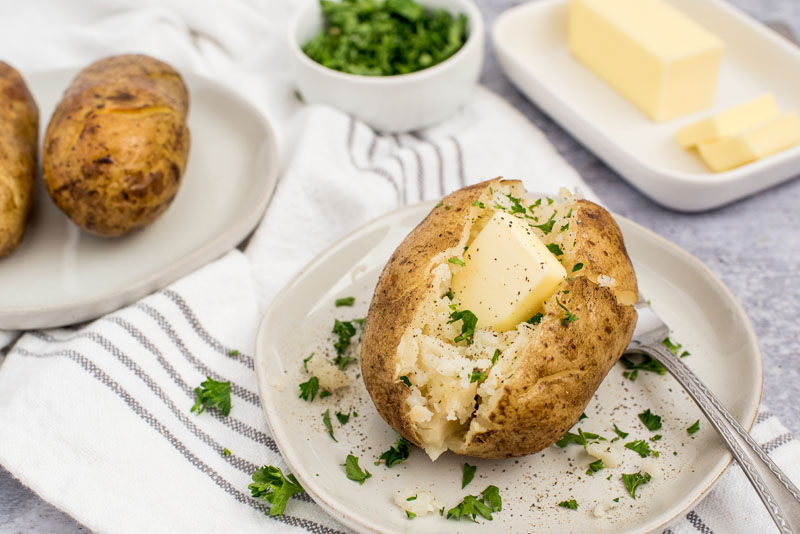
117, 144
19, 132
499, 393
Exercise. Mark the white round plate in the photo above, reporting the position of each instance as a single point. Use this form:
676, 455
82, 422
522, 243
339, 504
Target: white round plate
703, 314
60, 275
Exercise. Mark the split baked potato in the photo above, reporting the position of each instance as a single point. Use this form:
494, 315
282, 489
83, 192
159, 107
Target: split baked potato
19, 132
534, 379
117, 144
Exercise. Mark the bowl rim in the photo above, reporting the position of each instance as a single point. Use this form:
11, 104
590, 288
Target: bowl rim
475, 38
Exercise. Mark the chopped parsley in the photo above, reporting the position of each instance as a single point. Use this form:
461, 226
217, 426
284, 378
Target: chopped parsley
342, 417
536, 319
468, 323
397, 453
565, 227
548, 226
324, 393
477, 376
495, 356
555, 249
619, 432
656, 437
449, 294
572, 504
410, 514
595, 466
457, 261
480, 204
439, 204
472, 506
549, 201
345, 330
675, 348
569, 317
516, 206
233, 352
404, 379
578, 266
309, 389
345, 301
270, 484
306, 360
647, 364
226, 451
650, 420
694, 428
634, 480
468, 473
343, 361
212, 394
353, 470
412, 498
326, 420
641, 447
583, 416
581, 438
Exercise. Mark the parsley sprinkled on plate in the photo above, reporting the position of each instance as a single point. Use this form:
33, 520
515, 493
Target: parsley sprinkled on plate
309, 389
345, 330
619, 432
650, 420
581, 438
353, 470
306, 360
694, 428
595, 466
213, 394
572, 504
270, 485
342, 417
472, 506
326, 420
397, 453
641, 447
634, 480
468, 473
457, 261
345, 301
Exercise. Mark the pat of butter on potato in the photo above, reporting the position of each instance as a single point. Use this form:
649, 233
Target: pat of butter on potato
508, 274
655, 56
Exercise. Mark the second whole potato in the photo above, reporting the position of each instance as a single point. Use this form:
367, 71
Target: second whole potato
117, 144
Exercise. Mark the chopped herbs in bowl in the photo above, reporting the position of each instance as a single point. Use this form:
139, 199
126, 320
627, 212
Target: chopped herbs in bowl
385, 38
397, 65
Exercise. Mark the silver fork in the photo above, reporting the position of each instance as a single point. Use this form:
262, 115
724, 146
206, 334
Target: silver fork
777, 492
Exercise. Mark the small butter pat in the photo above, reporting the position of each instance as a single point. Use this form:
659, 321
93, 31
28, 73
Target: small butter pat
730, 122
508, 274
655, 56
756, 143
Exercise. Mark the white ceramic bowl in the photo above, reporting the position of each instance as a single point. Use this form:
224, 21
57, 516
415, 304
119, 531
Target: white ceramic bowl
397, 103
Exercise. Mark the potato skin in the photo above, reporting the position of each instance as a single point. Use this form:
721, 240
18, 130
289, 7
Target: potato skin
563, 364
117, 144
19, 132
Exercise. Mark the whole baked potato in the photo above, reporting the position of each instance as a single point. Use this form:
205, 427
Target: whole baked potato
117, 144
504, 393
19, 132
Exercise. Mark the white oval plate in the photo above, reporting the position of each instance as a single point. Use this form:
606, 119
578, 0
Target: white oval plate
531, 44
704, 316
60, 275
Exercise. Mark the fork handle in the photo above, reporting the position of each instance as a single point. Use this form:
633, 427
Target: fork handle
777, 492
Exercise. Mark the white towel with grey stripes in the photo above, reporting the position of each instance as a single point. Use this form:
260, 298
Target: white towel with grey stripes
95, 418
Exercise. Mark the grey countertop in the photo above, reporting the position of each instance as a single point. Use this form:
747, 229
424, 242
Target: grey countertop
753, 245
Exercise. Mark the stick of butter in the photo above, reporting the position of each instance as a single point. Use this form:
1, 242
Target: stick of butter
508, 274
655, 56
730, 122
756, 143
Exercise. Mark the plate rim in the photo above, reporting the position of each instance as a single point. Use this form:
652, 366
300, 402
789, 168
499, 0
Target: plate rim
364, 524
617, 156
78, 310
